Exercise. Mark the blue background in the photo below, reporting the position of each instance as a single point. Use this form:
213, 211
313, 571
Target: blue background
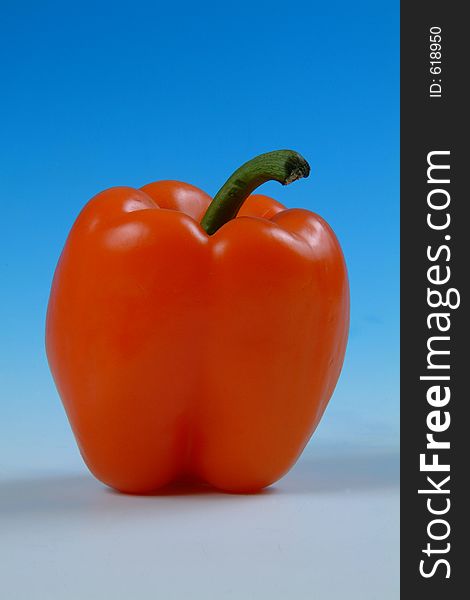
97, 94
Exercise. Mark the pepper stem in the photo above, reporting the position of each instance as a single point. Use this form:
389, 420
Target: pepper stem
284, 166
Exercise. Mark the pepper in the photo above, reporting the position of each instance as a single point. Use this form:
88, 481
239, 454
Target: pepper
197, 338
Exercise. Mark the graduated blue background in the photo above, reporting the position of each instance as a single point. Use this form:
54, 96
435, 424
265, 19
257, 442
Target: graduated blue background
96, 94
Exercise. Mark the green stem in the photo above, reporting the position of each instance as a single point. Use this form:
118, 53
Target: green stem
284, 166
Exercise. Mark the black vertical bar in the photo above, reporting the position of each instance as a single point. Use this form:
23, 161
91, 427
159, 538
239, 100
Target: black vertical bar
433, 120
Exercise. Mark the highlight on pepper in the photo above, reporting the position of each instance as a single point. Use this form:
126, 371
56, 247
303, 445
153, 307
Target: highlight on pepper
198, 337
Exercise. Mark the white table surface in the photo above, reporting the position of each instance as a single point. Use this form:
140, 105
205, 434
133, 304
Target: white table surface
328, 530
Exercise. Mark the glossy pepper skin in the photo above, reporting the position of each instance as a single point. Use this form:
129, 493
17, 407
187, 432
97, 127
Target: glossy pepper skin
177, 353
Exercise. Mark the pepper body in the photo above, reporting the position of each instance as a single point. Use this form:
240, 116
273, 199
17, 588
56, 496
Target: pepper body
181, 354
